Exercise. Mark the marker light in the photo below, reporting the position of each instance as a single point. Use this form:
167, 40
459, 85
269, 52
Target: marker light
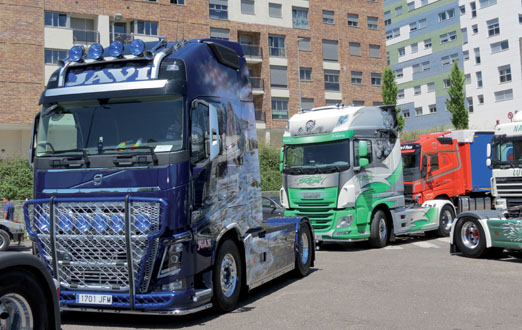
143, 222
65, 222
76, 53
99, 222
137, 47
43, 223
117, 223
116, 49
95, 52
83, 223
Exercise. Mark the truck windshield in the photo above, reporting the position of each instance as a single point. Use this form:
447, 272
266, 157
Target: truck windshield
112, 126
317, 157
507, 152
411, 166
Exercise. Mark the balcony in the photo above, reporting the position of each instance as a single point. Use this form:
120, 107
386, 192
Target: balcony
124, 38
258, 85
253, 53
82, 37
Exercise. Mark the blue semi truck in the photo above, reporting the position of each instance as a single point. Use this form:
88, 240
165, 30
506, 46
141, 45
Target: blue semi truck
147, 185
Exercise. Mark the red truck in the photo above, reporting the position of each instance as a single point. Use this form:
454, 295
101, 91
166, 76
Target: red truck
449, 165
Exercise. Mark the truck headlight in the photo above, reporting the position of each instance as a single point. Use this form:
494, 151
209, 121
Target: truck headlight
65, 222
43, 222
500, 204
117, 222
345, 221
171, 261
143, 222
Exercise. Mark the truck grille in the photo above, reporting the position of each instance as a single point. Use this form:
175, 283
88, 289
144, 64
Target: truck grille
91, 245
509, 187
321, 215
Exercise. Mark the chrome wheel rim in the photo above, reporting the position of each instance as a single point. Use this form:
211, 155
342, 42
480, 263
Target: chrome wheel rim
382, 229
2, 241
228, 275
446, 220
304, 248
18, 311
470, 235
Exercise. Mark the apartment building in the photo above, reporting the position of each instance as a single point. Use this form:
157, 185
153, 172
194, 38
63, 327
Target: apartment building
423, 38
492, 40
300, 53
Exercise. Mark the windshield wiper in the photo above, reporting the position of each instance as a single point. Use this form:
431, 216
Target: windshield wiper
83, 151
151, 149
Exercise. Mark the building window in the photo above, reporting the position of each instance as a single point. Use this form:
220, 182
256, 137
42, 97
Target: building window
248, 7
449, 59
474, 28
377, 103
477, 55
425, 66
445, 15
480, 99
417, 90
278, 77
305, 74
520, 18
400, 94
276, 45
330, 52
433, 108
146, 28
465, 55
304, 44
504, 95
406, 113
177, 2
401, 51
468, 78
353, 20
375, 51
274, 10
473, 7
388, 58
487, 3
52, 56
499, 46
470, 104
328, 17
300, 17
332, 102
55, 19
411, 6
356, 78
355, 48
479, 79
398, 11
416, 68
373, 23
279, 108
462, 10
446, 83
504, 73
307, 103
376, 79
464, 35
448, 37
222, 34
420, 24
418, 111
493, 27
414, 48
331, 80
358, 103
427, 43
431, 87
398, 73
218, 9
387, 18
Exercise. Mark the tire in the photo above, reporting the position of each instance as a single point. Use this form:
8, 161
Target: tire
5, 240
24, 299
446, 218
470, 238
379, 231
227, 277
303, 259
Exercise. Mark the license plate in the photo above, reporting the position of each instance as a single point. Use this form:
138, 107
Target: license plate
94, 299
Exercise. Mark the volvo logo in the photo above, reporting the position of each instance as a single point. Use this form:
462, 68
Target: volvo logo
98, 178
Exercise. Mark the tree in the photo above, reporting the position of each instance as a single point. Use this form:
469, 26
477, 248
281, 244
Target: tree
389, 95
455, 102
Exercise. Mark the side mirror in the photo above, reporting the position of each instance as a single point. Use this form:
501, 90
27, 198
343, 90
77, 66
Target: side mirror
488, 162
280, 167
363, 162
281, 159
488, 155
32, 146
428, 164
363, 149
215, 142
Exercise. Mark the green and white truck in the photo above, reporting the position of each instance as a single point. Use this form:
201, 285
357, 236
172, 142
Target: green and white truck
482, 233
342, 169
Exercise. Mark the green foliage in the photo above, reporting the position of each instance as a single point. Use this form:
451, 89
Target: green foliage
269, 165
455, 102
389, 94
16, 179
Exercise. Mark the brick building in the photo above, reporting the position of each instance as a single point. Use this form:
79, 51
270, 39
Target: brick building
341, 51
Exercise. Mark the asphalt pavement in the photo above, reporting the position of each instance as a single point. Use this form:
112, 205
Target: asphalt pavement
413, 284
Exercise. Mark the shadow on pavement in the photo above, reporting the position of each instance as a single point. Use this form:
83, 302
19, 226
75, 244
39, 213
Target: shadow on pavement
363, 245
108, 320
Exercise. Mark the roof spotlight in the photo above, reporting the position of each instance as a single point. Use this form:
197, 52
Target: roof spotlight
76, 53
137, 47
116, 49
95, 52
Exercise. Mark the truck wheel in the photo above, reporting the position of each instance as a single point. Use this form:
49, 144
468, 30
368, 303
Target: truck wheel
470, 238
227, 277
446, 218
378, 230
22, 302
304, 249
4, 240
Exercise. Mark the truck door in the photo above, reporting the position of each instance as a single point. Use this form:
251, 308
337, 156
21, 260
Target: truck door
362, 183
